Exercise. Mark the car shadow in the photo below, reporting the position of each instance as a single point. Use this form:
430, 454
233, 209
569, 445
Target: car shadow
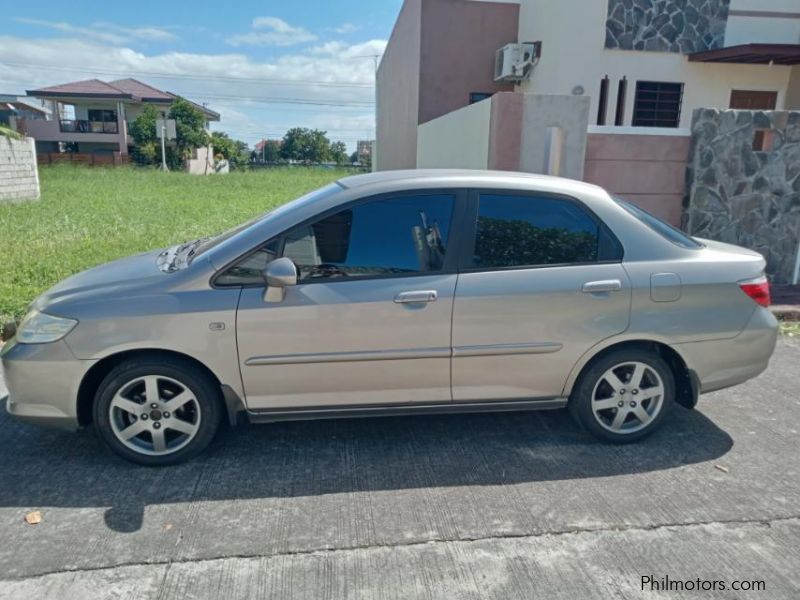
306, 458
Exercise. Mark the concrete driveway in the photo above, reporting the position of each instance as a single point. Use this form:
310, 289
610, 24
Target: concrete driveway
480, 506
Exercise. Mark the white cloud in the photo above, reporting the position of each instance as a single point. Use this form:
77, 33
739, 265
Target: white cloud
346, 28
272, 31
104, 32
311, 75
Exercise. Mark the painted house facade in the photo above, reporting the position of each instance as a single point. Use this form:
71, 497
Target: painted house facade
640, 63
93, 116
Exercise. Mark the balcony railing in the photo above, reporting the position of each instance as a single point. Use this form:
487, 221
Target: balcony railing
84, 126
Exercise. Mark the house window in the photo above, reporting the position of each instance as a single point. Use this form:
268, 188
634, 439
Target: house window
102, 120
478, 96
657, 104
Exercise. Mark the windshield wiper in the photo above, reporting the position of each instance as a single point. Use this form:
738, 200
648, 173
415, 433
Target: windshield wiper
178, 257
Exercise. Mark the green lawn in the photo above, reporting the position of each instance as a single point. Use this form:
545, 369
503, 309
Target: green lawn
88, 216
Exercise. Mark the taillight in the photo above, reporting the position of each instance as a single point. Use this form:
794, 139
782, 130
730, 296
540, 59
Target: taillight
757, 289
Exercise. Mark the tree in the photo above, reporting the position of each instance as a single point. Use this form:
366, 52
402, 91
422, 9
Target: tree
338, 153
305, 145
143, 132
235, 152
190, 127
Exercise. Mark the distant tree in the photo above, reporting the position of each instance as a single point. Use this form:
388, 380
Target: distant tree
190, 127
338, 153
354, 157
143, 131
305, 145
270, 152
235, 152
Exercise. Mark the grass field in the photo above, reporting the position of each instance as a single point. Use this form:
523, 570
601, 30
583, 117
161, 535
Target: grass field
88, 216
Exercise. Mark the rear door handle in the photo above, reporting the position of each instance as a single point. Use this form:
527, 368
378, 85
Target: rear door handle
416, 296
595, 287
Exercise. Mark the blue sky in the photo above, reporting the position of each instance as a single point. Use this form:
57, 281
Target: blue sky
264, 66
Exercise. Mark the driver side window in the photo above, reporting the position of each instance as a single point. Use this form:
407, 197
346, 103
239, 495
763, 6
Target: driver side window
406, 234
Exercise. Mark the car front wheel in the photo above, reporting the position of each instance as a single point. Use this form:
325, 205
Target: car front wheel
624, 396
157, 412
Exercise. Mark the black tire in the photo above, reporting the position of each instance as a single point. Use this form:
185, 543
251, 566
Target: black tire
206, 408
581, 400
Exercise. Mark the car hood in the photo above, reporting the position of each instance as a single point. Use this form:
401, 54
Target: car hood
120, 276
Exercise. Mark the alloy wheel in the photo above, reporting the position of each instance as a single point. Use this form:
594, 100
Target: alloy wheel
154, 415
627, 397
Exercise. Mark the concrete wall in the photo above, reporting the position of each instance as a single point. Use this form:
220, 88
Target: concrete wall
19, 174
573, 39
570, 116
397, 95
439, 52
202, 163
646, 166
509, 131
743, 196
767, 21
458, 42
458, 139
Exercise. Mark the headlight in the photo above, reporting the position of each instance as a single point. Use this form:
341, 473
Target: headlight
41, 328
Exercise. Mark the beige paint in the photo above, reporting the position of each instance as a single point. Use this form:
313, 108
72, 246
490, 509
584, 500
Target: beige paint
648, 170
397, 94
572, 33
458, 139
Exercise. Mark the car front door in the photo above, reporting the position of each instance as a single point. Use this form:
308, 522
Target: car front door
369, 320
541, 282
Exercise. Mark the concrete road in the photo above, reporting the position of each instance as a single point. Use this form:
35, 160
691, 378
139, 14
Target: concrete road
480, 506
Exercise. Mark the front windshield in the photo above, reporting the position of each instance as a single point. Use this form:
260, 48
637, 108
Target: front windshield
208, 243
180, 256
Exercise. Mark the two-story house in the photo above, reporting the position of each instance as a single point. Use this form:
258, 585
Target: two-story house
93, 116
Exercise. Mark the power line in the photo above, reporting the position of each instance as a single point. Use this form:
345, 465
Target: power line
290, 82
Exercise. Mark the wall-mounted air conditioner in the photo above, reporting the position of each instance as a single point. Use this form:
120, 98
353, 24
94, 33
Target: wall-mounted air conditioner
515, 62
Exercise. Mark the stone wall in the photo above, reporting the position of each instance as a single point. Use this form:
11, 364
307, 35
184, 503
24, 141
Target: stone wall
684, 26
19, 175
745, 196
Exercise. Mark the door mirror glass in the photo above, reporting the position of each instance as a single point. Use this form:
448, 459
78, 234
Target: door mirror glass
279, 274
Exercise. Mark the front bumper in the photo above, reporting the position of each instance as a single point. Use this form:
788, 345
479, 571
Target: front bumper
43, 382
724, 363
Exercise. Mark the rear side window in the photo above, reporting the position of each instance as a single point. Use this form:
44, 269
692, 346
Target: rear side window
665, 230
518, 231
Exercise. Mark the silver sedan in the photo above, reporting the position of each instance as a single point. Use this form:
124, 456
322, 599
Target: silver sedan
397, 293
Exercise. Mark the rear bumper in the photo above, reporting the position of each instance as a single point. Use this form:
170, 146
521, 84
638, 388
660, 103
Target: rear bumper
724, 363
43, 382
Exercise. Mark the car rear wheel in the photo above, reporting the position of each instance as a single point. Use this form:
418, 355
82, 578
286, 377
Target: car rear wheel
157, 412
624, 396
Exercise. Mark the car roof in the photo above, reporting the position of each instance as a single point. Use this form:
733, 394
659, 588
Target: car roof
464, 178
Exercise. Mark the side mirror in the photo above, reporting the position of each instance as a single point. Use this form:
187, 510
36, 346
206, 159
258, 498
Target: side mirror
279, 274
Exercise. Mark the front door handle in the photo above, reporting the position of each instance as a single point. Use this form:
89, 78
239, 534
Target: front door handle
416, 296
595, 287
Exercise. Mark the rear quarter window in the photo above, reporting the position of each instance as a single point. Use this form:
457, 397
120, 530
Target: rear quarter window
664, 229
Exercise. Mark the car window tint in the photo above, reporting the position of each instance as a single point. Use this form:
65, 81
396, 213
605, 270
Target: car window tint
406, 234
249, 270
514, 231
665, 230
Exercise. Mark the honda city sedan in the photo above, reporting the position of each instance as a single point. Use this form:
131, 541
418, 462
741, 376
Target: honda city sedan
396, 293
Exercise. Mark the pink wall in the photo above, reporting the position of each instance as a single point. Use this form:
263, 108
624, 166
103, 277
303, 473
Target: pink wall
398, 92
649, 170
458, 42
505, 131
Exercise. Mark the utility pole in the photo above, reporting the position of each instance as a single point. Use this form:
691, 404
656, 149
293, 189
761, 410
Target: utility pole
164, 144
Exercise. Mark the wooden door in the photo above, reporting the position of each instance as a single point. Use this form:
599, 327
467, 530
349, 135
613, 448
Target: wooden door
753, 100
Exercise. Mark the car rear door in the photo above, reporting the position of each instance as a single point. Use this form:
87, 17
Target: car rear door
369, 321
540, 283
